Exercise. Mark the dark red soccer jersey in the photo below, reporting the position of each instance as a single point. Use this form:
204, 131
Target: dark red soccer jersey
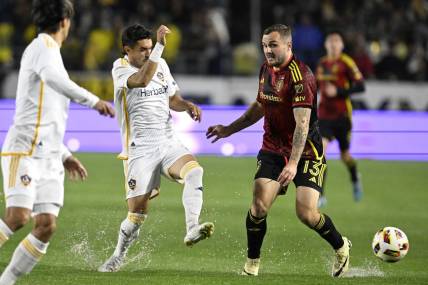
342, 73
279, 92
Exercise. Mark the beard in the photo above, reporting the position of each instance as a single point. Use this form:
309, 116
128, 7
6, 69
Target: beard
275, 60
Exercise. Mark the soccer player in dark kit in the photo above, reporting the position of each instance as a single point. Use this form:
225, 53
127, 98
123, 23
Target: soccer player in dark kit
292, 149
338, 77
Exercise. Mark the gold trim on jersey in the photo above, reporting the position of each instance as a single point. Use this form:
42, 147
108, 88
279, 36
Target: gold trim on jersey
36, 133
36, 253
48, 41
13, 170
124, 61
349, 107
317, 156
352, 65
321, 176
295, 71
127, 127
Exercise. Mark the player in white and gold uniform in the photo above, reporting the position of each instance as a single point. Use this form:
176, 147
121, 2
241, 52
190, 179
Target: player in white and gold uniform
145, 91
33, 156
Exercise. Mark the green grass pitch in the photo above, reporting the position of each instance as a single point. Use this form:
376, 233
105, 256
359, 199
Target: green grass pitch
396, 194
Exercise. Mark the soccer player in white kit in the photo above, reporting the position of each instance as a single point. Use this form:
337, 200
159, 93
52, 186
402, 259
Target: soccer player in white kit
144, 92
33, 156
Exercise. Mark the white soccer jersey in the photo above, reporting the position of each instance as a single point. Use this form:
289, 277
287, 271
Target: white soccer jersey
143, 113
42, 100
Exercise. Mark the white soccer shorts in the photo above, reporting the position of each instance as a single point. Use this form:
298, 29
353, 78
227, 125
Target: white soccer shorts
143, 172
33, 183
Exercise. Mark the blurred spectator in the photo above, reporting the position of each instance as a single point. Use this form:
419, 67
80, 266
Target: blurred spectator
214, 36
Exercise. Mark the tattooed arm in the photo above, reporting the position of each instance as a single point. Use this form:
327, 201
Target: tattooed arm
302, 117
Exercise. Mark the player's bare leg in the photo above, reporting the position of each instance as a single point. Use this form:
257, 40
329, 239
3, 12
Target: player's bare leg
128, 233
322, 201
189, 170
264, 194
351, 164
307, 212
32, 248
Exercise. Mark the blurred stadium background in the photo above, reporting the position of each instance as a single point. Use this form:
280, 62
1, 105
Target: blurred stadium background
214, 53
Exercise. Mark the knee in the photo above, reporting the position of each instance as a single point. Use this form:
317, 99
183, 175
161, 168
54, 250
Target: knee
46, 229
17, 220
307, 216
259, 208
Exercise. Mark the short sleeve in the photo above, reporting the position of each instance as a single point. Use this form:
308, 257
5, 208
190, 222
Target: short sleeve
121, 72
304, 90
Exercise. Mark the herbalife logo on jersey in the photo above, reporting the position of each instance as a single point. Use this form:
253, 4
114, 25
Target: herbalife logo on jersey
153, 92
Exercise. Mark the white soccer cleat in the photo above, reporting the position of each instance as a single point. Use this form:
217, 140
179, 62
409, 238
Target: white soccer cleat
341, 263
198, 233
251, 267
113, 264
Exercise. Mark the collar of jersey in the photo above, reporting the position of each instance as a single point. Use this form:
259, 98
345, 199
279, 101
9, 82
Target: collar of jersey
49, 38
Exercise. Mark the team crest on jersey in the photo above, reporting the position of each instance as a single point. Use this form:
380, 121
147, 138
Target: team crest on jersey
160, 76
298, 88
279, 84
132, 183
262, 80
25, 179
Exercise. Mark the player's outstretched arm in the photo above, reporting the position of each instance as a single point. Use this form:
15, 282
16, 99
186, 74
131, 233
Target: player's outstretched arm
302, 117
253, 114
143, 77
178, 104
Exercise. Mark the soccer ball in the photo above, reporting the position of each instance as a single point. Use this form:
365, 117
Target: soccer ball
390, 244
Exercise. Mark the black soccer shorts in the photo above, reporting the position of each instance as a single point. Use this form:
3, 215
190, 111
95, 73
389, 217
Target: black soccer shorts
339, 129
310, 172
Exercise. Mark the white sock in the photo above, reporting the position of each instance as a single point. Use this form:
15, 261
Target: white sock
192, 196
26, 256
128, 233
5, 233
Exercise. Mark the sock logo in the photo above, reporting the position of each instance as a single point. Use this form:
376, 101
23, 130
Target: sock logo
200, 188
132, 183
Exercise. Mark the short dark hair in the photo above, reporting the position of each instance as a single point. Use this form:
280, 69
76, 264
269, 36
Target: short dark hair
283, 30
132, 34
47, 14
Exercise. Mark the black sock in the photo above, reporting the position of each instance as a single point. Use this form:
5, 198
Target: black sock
256, 230
327, 231
352, 167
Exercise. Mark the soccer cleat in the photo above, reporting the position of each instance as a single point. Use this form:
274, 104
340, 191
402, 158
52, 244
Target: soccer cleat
251, 267
357, 189
113, 264
198, 233
322, 201
341, 264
